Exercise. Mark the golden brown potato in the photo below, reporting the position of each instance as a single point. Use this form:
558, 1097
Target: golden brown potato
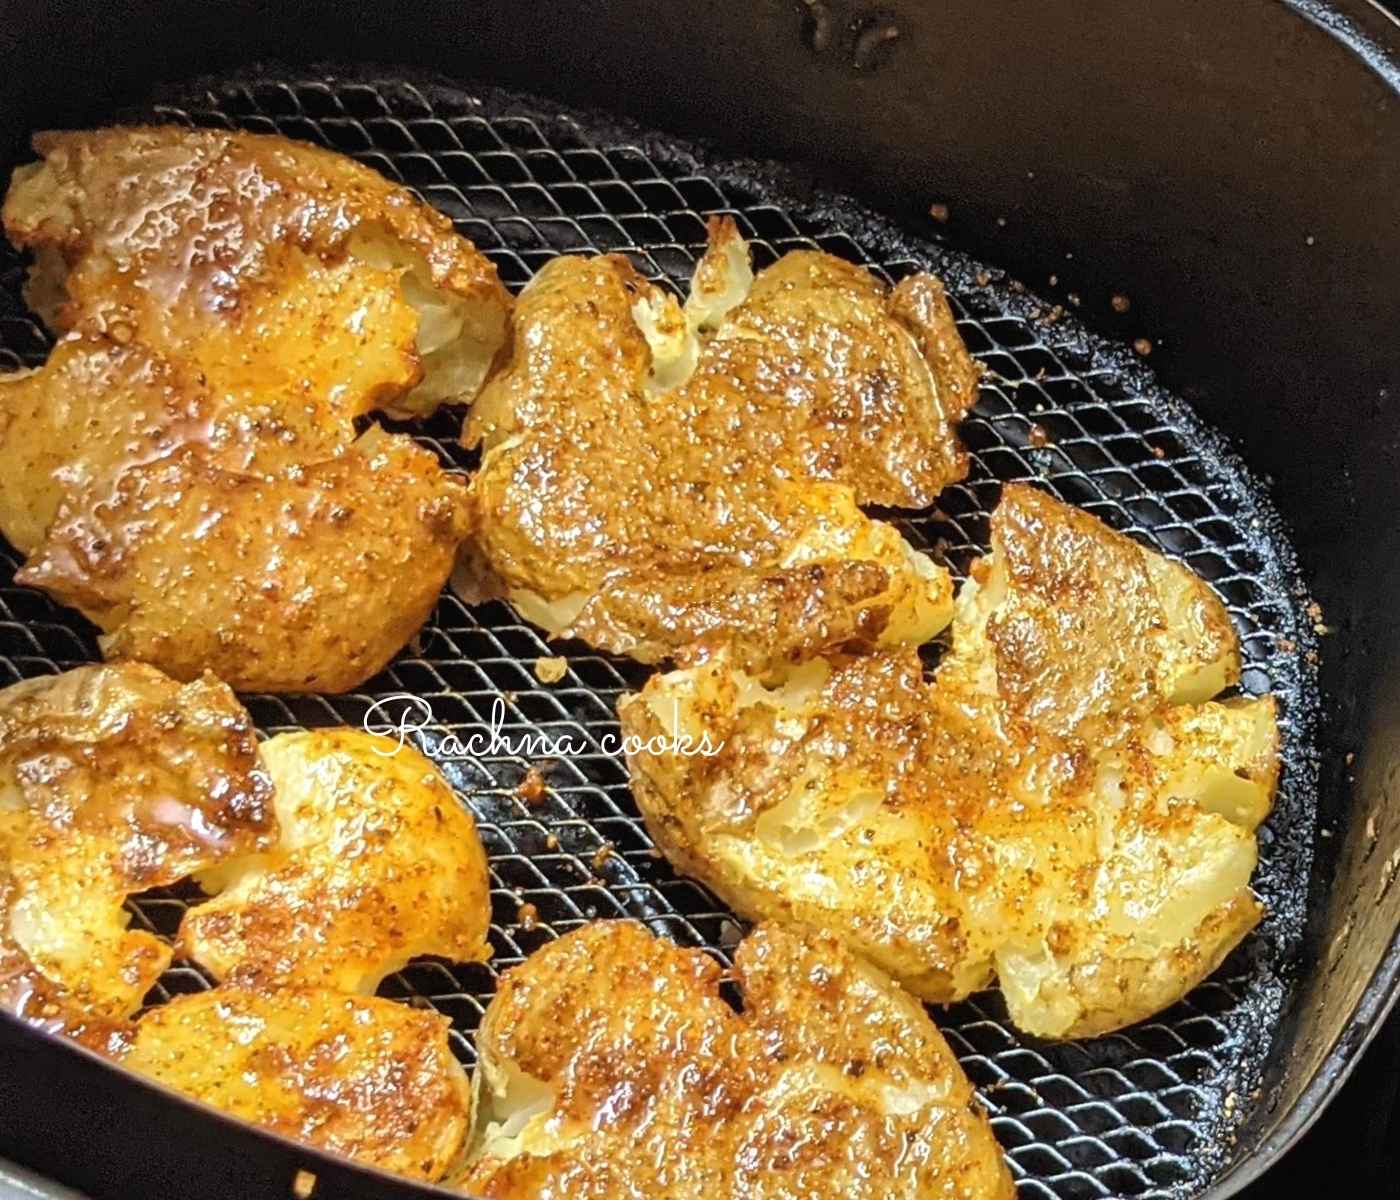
378, 862
114, 779
195, 241
187, 469
1060, 808
41, 1001
611, 1066
1085, 629
364, 1077
61, 430
309, 579
657, 478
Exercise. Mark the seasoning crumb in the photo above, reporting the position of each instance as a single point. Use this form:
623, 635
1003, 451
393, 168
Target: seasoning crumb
531, 789
1314, 611
1310, 240
1054, 281
1001, 221
303, 1185
1143, 347
1286, 645
1351, 757
1158, 452
939, 212
1120, 303
551, 670
527, 916
982, 278
604, 852
1075, 299
1038, 436
551, 842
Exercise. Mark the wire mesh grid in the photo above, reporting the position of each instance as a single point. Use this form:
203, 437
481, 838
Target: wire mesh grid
1144, 1113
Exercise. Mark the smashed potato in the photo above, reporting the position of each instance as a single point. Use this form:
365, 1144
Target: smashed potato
188, 468
658, 477
364, 1077
611, 1066
113, 780
377, 863
304, 579
1061, 809
197, 243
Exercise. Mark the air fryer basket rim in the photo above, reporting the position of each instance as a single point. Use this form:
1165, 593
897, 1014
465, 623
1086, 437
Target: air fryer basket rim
1369, 35
1343, 20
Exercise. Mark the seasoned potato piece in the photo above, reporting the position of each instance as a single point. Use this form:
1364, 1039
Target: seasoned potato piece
658, 477
166, 235
308, 579
62, 431
113, 780
1045, 812
44, 1002
364, 1077
377, 863
189, 468
1083, 628
611, 1066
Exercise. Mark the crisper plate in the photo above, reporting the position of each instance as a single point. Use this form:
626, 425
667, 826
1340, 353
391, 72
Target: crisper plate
1149, 1112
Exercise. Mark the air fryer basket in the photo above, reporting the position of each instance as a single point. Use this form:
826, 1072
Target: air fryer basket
1179, 1106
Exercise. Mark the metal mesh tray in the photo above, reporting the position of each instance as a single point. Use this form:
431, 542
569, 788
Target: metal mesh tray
1148, 1112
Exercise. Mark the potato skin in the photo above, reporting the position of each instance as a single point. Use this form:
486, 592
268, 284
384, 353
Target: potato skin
307, 580
357, 1075
166, 235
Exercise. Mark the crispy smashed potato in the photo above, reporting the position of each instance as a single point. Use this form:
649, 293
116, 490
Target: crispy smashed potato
113, 779
43, 1002
611, 1066
304, 579
187, 468
1085, 630
377, 863
1062, 809
199, 243
360, 1076
657, 478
